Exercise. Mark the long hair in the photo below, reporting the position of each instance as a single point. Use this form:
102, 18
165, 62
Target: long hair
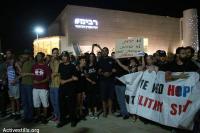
94, 60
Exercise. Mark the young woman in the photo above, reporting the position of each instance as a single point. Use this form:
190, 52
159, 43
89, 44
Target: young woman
81, 86
91, 91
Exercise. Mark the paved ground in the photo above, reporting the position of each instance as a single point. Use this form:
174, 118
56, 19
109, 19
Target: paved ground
102, 125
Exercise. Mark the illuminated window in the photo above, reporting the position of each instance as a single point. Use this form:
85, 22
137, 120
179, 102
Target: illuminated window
46, 44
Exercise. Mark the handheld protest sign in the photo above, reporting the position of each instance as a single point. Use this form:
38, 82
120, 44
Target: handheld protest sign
133, 47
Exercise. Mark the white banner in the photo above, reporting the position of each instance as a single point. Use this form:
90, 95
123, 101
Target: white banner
169, 103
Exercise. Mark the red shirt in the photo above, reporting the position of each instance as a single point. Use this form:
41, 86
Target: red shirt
41, 72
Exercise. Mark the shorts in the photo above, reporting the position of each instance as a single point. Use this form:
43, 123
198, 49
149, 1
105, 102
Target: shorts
13, 91
40, 96
107, 89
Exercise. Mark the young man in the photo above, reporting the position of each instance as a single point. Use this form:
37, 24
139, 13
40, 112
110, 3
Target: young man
27, 86
190, 54
67, 90
161, 60
106, 68
180, 64
40, 86
13, 84
189, 51
54, 85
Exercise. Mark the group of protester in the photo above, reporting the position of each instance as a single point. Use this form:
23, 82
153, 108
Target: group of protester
69, 88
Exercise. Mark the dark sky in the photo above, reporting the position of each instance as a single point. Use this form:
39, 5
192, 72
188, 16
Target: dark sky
18, 17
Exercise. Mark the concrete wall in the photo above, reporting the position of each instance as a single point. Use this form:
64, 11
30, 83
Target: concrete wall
162, 32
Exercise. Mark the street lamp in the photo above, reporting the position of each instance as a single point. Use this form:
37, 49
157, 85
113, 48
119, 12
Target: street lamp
39, 30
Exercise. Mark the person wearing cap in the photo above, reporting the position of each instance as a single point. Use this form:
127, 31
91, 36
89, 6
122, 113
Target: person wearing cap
27, 86
67, 90
161, 61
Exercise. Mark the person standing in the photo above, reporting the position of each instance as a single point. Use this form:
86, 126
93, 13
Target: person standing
27, 86
54, 84
106, 70
40, 87
91, 89
13, 84
67, 90
81, 86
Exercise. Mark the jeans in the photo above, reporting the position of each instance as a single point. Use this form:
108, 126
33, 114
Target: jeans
54, 97
120, 93
27, 101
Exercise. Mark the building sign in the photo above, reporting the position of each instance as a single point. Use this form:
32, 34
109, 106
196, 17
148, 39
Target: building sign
129, 47
81, 23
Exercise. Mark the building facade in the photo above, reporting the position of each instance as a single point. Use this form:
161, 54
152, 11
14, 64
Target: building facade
84, 26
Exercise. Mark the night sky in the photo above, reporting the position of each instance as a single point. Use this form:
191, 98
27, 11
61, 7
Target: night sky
18, 18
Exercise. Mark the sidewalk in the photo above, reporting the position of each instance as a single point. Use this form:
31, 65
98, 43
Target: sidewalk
102, 125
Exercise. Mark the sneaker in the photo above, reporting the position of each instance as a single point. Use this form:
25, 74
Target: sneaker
12, 116
104, 114
26, 120
82, 117
60, 124
55, 119
134, 118
3, 114
17, 117
96, 116
125, 117
118, 115
73, 124
44, 120
91, 115
36, 120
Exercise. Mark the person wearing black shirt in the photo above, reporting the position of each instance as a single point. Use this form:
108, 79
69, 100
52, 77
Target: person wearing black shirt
81, 85
180, 64
67, 91
190, 54
120, 87
106, 69
91, 91
161, 61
